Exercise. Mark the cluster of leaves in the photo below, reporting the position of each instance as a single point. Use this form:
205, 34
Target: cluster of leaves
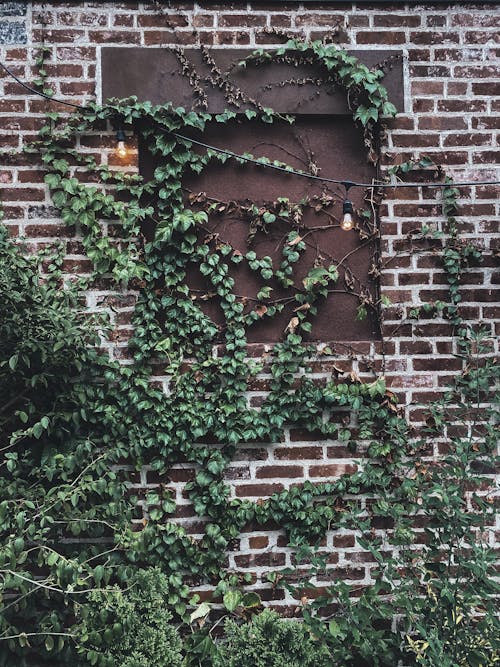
66, 513
363, 86
131, 627
268, 641
59, 494
439, 583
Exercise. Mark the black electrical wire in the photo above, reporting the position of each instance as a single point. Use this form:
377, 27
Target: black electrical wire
38, 92
346, 183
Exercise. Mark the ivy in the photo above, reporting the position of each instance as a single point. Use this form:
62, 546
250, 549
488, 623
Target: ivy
77, 428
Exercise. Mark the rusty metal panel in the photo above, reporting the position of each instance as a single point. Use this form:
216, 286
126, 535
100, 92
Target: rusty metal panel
324, 138
156, 75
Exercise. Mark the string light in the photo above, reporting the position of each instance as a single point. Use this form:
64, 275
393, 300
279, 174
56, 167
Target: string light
121, 148
267, 165
347, 222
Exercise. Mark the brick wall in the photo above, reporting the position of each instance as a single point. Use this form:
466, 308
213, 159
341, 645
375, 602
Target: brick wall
452, 113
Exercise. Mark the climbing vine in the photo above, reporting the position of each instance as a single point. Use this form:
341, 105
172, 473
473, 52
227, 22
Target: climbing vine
76, 427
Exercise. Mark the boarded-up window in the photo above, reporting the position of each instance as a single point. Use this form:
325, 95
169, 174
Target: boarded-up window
322, 141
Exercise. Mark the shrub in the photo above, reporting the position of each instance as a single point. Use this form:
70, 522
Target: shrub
270, 641
130, 628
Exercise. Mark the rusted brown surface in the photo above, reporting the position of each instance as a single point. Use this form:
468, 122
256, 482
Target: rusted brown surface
156, 75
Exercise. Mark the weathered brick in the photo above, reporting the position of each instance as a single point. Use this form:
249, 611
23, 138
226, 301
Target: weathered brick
293, 453
279, 472
332, 470
380, 37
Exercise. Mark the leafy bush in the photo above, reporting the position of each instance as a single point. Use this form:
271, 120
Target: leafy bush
269, 641
56, 485
130, 628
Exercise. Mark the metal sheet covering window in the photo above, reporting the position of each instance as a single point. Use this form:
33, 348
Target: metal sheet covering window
323, 140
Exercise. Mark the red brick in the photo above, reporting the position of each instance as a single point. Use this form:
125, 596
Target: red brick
245, 20
436, 21
296, 453
431, 37
258, 490
203, 20
58, 36
123, 20
416, 140
427, 87
156, 37
181, 475
380, 37
415, 347
442, 123
162, 21
324, 19
280, 21
454, 105
265, 37
258, 542
343, 541
41, 230
396, 20
85, 18
114, 37
278, 471
437, 364
78, 88
231, 37
345, 573
64, 70
483, 19
332, 470
75, 53
478, 37
12, 106
23, 194
266, 559
456, 88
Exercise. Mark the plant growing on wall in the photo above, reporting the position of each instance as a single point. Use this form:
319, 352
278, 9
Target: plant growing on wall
66, 514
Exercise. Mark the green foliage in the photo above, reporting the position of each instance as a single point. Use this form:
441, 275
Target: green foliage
70, 418
130, 627
366, 94
442, 588
269, 641
57, 487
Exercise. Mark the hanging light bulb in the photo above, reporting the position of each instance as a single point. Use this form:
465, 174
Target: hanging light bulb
121, 148
347, 211
347, 222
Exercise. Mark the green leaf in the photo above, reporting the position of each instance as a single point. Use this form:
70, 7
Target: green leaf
251, 600
232, 599
201, 611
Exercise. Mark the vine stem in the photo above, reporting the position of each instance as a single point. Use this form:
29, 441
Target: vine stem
37, 634
40, 584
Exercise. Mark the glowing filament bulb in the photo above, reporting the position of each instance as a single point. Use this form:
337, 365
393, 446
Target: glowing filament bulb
347, 220
121, 148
